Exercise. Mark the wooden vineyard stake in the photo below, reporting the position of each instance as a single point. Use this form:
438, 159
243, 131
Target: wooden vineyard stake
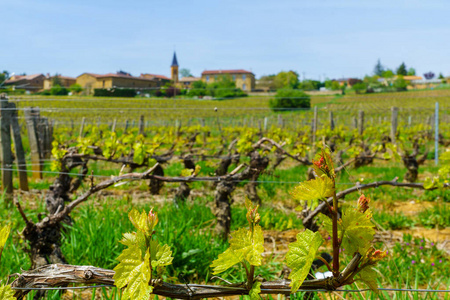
113, 128
361, 122
20, 152
331, 121
36, 165
83, 120
394, 120
7, 163
141, 125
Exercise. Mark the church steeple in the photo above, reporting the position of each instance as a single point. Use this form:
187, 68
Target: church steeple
174, 60
174, 68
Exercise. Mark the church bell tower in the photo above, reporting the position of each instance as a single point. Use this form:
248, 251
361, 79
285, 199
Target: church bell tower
174, 69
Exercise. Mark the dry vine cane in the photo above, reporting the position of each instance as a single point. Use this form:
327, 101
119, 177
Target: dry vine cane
142, 262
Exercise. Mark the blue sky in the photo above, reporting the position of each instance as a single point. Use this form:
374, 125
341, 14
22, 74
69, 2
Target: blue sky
317, 38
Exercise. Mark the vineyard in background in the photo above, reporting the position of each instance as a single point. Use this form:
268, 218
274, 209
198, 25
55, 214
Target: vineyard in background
196, 161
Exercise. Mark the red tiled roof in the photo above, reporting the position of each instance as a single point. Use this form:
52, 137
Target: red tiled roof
63, 77
92, 74
214, 72
147, 75
189, 79
23, 77
123, 76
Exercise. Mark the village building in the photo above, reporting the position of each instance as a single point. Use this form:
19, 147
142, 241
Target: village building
63, 81
32, 83
244, 80
89, 82
186, 82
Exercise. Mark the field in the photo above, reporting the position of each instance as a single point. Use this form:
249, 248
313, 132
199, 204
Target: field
412, 225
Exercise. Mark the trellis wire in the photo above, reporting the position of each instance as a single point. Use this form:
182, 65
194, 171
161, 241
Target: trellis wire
106, 176
224, 287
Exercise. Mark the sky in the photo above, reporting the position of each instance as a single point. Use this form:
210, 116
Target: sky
317, 38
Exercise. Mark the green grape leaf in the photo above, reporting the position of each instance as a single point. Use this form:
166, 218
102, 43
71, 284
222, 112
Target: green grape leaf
242, 247
161, 255
429, 183
369, 276
314, 189
301, 255
139, 153
255, 291
358, 230
4, 233
133, 274
6, 293
139, 221
187, 172
226, 260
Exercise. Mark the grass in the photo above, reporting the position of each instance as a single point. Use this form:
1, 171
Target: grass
189, 229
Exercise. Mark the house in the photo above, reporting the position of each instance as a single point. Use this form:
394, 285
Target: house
159, 78
90, 81
390, 81
32, 83
421, 84
244, 80
349, 81
63, 81
186, 82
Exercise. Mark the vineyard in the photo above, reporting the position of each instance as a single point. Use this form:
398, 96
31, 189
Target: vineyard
186, 198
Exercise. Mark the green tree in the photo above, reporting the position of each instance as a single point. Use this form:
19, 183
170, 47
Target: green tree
400, 84
58, 90
332, 85
378, 69
309, 85
359, 87
388, 74
401, 70
441, 76
185, 73
289, 99
286, 80
3, 76
411, 72
75, 88
56, 80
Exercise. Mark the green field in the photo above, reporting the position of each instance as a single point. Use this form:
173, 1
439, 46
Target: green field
412, 225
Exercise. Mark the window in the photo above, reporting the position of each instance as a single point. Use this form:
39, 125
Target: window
207, 78
243, 77
103, 83
234, 77
215, 77
244, 87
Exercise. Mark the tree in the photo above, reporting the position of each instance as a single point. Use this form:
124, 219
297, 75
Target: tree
359, 87
429, 75
401, 70
56, 81
379, 69
266, 81
286, 80
441, 76
411, 72
309, 85
3, 76
185, 73
75, 88
400, 84
58, 90
332, 85
388, 74
289, 99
